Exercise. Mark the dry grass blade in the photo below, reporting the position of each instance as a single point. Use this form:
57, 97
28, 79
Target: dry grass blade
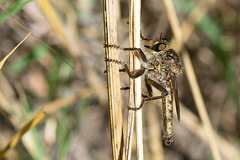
48, 109
10, 53
26, 29
66, 101
193, 81
113, 79
17, 137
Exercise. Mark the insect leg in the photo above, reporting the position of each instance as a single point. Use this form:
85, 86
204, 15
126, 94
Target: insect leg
124, 88
144, 38
140, 54
120, 70
149, 88
157, 86
146, 99
134, 74
114, 61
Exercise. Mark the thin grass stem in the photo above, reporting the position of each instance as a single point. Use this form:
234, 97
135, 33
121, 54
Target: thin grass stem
134, 117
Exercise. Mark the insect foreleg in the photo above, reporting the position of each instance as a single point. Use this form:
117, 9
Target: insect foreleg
139, 54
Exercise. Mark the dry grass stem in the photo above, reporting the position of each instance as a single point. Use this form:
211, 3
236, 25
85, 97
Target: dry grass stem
201, 106
193, 81
135, 85
188, 25
66, 101
129, 134
113, 80
57, 24
154, 134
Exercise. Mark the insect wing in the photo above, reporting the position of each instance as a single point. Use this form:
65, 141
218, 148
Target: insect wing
175, 92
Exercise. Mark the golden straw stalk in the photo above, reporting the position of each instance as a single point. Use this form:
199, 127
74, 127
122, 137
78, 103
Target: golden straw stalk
113, 81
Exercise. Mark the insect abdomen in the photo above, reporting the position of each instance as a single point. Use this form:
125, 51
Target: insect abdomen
167, 107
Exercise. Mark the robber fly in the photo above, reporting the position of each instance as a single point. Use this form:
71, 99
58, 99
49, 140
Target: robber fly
161, 70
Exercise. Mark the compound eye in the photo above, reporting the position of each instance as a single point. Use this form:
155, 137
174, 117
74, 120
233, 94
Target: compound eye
159, 47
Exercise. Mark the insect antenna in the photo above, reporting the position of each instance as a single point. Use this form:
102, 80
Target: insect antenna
160, 36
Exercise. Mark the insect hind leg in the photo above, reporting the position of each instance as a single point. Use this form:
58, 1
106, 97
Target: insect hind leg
147, 98
144, 100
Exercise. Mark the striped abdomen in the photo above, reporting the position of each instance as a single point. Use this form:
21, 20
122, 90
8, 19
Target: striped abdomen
167, 109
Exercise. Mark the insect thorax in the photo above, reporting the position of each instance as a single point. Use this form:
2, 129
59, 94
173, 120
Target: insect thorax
159, 66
